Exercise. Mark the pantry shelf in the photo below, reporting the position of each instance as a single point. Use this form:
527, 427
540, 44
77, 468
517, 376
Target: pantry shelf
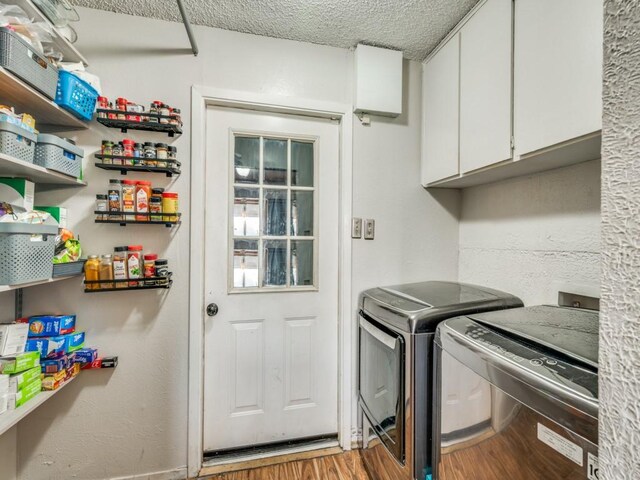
26, 99
13, 167
169, 219
11, 417
8, 288
166, 284
171, 129
172, 168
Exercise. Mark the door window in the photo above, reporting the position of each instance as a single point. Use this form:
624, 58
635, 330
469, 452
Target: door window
273, 225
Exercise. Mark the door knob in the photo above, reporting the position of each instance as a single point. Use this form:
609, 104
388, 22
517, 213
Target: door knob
212, 309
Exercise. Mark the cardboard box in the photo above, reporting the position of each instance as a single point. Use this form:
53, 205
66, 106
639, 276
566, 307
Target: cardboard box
74, 341
19, 363
17, 191
13, 337
106, 362
18, 381
58, 213
54, 347
54, 365
51, 383
50, 325
29, 391
86, 355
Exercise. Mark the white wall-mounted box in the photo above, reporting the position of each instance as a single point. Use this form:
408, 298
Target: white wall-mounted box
378, 81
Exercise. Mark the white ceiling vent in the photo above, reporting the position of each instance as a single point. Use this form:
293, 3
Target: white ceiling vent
378, 81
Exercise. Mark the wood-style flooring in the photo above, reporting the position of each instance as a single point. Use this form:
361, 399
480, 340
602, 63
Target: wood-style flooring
345, 466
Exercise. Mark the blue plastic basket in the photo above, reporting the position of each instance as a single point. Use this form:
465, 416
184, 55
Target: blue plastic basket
76, 95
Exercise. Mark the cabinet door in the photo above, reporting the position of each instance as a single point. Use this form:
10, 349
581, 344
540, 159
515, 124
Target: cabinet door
485, 86
440, 94
558, 71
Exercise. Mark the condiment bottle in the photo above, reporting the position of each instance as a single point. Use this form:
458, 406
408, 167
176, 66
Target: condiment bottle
165, 112
134, 254
127, 152
162, 270
101, 205
128, 198
117, 152
120, 266
169, 207
155, 209
103, 104
172, 154
143, 194
138, 154
114, 197
150, 267
106, 271
150, 154
107, 150
92, 272
161, 154
175, 117
121, 105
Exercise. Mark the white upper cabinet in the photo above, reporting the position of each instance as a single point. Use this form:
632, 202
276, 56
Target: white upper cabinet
485, 86
557, 72
441, 109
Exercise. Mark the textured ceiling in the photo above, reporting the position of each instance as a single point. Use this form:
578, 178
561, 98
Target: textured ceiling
413, 26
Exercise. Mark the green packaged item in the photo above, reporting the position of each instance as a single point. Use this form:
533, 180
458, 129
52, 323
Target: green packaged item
19, 380
19, 363
29, 391
58, 213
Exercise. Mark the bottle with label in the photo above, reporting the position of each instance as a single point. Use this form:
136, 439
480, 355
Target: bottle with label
92, 272
120, 266
134, 263
150, 267
129, 198
162, 270
106, 271
143, 194
114, 198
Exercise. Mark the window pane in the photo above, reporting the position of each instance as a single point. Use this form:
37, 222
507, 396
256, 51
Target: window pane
245, 263
246, 212
302, 164
247, 160
275, 162
275, 212
275, 263
301, 262
301, 213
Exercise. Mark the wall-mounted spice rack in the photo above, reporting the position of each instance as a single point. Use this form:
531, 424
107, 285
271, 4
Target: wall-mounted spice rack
146, 283
129, 218
172, 129
172, 168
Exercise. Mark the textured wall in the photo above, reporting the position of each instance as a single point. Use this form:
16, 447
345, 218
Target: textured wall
620, 318
528, 235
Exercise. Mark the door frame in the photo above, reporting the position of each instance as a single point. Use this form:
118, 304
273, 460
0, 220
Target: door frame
201, 98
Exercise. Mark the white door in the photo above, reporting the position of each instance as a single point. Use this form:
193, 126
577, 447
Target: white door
485, 86
271, 263
440, 103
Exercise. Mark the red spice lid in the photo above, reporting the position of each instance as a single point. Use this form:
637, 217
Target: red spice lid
128, 141
157, 102
129, 182
135, 248
169, 195
103, 99
121, 100
143, 182
150, 256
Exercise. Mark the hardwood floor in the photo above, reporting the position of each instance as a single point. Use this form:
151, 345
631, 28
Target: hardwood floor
345, 466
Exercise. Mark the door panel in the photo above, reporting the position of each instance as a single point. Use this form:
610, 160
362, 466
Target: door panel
272, 267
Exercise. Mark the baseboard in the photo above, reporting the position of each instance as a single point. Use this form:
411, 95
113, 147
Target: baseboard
176, 474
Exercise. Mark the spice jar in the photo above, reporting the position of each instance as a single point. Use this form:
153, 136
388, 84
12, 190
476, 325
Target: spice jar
162, 270
150, 154
111, 115
172, 155
155, 209
154, 111
106, 271
106, 149
101, 206
114, 197
169, 206
121, 106
134, 257
127, 151
165, 112
103, 104
128, 198
150, 267
120, 266
143, 194
117, 152
161, 154
175, 117
138, 153
92, 272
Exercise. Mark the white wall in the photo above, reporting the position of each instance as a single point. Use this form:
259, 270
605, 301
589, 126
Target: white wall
133, 420
527, 234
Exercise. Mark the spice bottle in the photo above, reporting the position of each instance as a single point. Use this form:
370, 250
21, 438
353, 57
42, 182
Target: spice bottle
150, 267
149, 154
117, 152
155, 111
127, 151
121, 106
92, 272
172, 156
165, 112
128, 198
103, 104
169, 206
175, 117
161, 154
114, 197
143, 194
120, 266
106, 271
155, 209
134, 263
138, 154
101, 206
162, 270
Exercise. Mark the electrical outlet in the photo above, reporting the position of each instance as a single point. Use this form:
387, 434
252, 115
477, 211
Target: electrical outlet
356, 228
369, 229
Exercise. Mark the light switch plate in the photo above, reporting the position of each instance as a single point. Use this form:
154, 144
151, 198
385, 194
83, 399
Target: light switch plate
369, 229
356, 228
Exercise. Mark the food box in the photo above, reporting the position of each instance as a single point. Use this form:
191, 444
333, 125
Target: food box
54, 365
17, 191
74, 341
86, 355
105, 362
13, 337
50, 325
53, 347
19, 363
58, 213
18, 381
29, 391
52, 383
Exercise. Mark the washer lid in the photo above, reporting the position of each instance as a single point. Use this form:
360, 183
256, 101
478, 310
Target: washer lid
571, 332
419, 307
